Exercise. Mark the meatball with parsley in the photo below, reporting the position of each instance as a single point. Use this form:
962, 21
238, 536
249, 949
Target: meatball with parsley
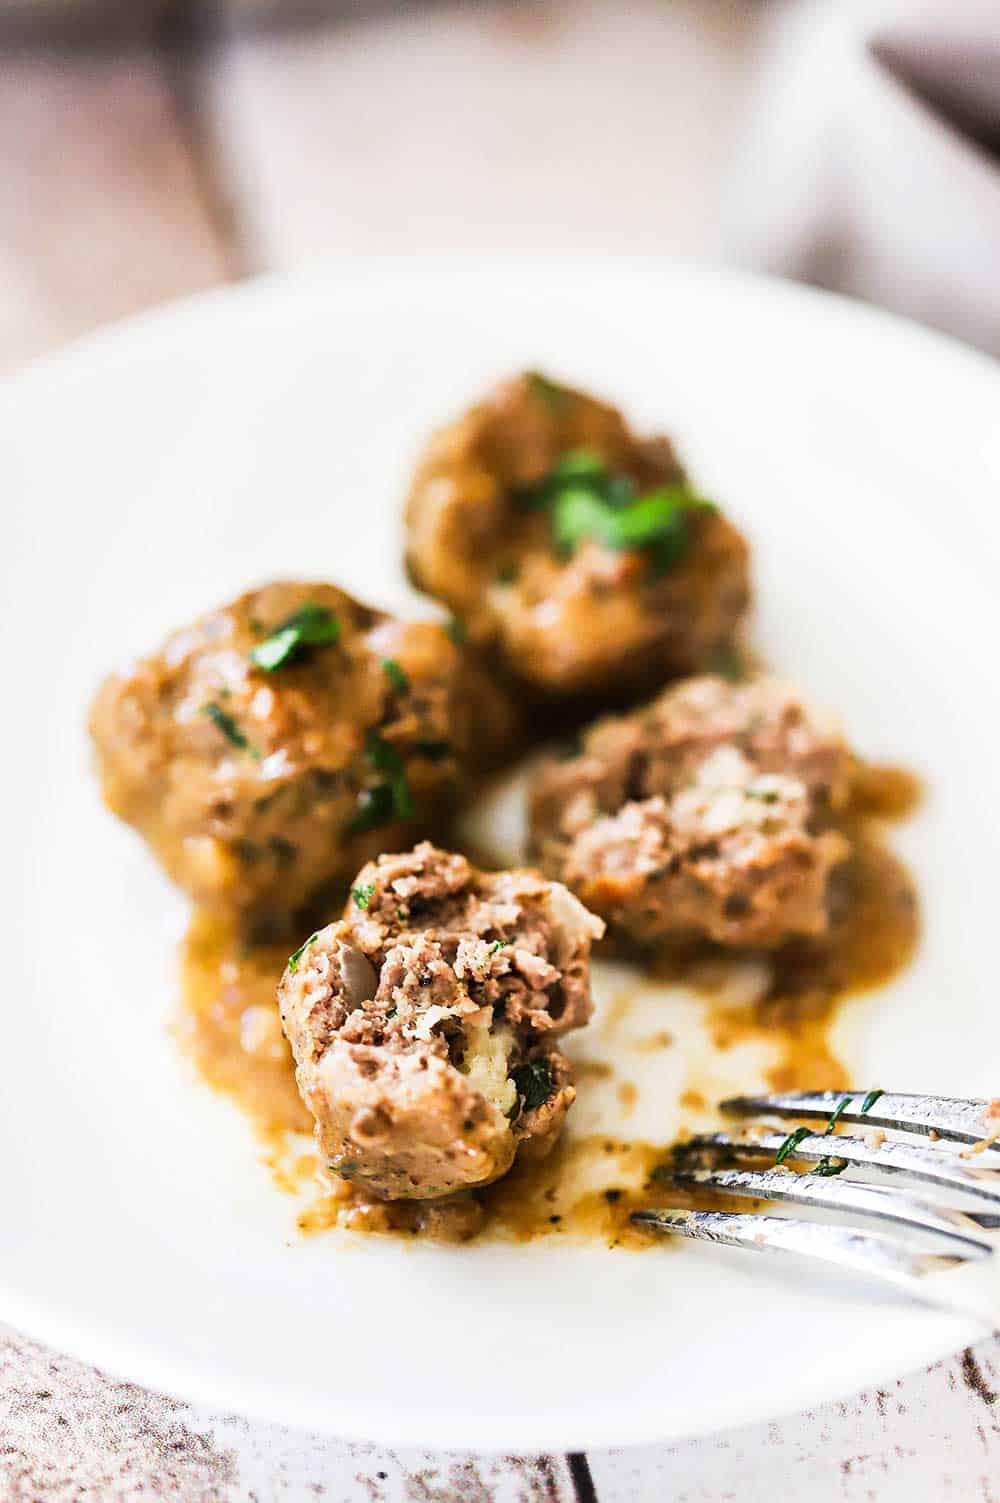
425, 1023
274, 745
577, 551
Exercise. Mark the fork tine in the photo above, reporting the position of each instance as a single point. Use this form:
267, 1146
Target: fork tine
844, 1246
829, 1193
946, 1116
912, 1160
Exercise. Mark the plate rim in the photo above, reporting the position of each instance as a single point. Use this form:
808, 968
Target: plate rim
332, 269
543, 1436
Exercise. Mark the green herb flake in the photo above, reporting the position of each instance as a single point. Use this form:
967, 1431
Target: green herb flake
309, 627
385, 757
790, 1144
393, 796
555, 397
762, 795
728, 663
845, 1102
381, 753
827, 1167
227, 725
577, 467
363, 894
533, 1082
567, 749
587, 501
374, 808
396, 675
457, 631
498, 944
296, 956
839, 1111
402, 798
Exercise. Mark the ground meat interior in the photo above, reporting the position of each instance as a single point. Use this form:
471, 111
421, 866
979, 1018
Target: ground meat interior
708, 813
425, 1022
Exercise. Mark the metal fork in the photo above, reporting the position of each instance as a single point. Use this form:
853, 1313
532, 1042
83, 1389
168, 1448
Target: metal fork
938, 1141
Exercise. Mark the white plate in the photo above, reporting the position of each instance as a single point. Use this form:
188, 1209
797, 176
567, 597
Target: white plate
164, 466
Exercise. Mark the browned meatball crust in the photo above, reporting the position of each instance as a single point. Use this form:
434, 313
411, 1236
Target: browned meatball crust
580, 619
706, 813
424, 1022
283, 739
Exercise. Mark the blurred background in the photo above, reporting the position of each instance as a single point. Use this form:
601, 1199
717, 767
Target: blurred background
152, 148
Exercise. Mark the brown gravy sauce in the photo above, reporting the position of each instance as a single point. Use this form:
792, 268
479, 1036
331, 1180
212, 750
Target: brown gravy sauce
590, 1183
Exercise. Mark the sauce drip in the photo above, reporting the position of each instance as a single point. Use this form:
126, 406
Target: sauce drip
592, 1181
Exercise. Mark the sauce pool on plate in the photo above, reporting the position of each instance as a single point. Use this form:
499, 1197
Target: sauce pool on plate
588, 1186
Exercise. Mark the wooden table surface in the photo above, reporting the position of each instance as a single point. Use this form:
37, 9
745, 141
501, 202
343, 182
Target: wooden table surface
139, 168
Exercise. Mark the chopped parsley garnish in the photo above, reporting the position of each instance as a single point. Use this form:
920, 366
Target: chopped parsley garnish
384, 756
374, 809
296, 956
310, 626
826, 1166
499, 944
396, 675
378, 804
577, 467
585, 500
728, 663
381, 753
533, 1082
363, 894
457, 631
227, 725
402, 798
762, 795
566, 750
549, 392
838, 1112
791, 1143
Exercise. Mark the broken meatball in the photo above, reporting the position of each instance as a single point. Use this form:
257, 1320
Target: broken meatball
575, 549
705, 814
425, 1022
280, 741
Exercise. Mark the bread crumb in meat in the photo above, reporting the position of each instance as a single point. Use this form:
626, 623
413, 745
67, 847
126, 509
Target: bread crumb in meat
278, 742
706, 813
424, 1023
572, 547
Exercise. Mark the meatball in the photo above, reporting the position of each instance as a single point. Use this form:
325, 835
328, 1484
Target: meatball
575, 548
280, 741
424, 1023
705, 814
